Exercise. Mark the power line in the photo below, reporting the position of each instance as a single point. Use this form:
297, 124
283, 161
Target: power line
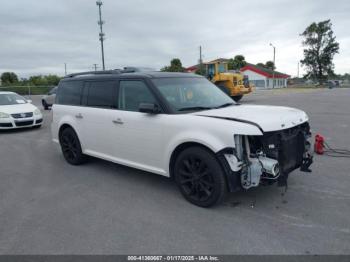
101, 34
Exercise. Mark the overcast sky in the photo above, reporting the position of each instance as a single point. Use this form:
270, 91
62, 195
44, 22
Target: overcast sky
39, 36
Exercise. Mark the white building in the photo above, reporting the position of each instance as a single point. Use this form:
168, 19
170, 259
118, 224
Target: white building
263, 78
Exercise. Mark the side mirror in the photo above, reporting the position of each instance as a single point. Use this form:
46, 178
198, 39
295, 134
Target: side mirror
149, 108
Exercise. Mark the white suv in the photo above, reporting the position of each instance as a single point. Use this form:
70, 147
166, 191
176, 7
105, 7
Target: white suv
181, 126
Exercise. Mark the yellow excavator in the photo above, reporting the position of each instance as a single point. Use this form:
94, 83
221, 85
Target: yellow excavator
235, 84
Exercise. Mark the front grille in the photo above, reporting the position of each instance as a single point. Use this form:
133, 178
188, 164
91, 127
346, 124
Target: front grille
25, 123
5, 125
22, 115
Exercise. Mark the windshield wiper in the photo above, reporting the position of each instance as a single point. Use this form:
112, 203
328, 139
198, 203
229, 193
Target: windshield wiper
225, 105
194, 108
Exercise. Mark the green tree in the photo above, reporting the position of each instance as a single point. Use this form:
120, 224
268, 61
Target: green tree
270, 65
201, 70
320, 48
346, 76
8, 78
237, 62
38, 80
48, 80
175, 66
267, 65
52, 80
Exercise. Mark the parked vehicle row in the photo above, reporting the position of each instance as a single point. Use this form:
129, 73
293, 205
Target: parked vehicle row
179, 126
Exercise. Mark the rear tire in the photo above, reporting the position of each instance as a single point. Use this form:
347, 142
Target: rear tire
237, 98
200, 177
71, 147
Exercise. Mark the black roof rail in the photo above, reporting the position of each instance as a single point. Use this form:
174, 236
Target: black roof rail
133, 69
105, 72
128, 69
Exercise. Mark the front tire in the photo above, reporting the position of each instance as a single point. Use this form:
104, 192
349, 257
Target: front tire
237, 98
71, 147
45, 105
200, 177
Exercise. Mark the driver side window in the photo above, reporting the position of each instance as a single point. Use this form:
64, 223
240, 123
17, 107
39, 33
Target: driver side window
132, 93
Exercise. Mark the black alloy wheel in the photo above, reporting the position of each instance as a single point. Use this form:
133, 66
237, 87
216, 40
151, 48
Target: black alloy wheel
71, 147
200, 177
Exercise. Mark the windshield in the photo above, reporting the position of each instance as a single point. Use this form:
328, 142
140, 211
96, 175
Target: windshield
192, 94
11, 99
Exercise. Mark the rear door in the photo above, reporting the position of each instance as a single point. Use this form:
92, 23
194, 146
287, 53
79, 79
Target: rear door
98, 109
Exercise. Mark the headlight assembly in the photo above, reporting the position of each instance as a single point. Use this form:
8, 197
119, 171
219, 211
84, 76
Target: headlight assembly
37, 112
4, 115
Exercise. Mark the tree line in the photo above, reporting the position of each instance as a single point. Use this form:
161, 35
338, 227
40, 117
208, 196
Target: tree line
11, 79
235, 63
320, 47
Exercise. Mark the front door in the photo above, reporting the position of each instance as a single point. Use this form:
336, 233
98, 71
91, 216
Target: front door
141, 133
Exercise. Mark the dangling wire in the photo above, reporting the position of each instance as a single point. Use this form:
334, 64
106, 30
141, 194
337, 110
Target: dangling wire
336, 152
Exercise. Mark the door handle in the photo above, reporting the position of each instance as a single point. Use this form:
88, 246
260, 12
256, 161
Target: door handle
118, 121
79, 116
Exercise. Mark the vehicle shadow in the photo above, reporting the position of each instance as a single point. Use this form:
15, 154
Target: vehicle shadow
260, 197
18, 130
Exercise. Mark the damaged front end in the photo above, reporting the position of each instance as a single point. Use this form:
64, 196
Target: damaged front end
271, 157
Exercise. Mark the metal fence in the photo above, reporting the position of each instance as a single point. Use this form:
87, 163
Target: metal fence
27, 90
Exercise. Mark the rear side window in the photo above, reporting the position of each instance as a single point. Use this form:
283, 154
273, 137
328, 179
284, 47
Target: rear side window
101, 94
132, 94
69, 93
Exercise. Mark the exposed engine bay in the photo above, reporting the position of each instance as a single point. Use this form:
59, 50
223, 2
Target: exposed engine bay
270, 158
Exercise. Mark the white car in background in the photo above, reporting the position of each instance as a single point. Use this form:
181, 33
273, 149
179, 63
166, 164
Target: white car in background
49, 99
18, 112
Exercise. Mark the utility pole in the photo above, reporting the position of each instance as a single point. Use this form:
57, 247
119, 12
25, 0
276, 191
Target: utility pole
65, 69
298, 70
101, 34
95, 66
200, 60
274, 64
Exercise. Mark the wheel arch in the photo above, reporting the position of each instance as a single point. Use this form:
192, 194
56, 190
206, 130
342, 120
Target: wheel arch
181, 147
63, 127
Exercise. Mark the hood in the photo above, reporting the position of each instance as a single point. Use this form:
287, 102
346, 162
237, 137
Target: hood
19, 108
268, 118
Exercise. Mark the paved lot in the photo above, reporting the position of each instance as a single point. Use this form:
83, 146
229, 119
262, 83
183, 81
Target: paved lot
50, 207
